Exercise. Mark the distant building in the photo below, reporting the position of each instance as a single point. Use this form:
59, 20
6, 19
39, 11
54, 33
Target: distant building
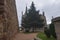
8, 19
57, 26
35, 28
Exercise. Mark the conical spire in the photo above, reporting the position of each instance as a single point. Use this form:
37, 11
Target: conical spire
26, 10
43, 13
52, 17
32, 6
22, 18
22, 13
32, 3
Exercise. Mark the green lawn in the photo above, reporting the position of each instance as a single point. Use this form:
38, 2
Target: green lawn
43, 36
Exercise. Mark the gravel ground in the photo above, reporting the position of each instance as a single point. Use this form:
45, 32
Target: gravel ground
22, 36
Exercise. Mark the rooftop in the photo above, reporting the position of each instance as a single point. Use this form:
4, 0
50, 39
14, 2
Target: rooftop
56, 19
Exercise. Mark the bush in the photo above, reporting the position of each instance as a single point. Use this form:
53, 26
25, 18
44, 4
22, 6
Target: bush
47, 32
43, 36
52, 29
54, 35
26, 30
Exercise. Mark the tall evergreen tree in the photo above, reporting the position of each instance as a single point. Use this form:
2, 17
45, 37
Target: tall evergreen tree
32, 18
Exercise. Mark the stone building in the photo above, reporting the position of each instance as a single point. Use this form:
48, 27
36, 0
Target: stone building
34, 28
37, 29
8, 19
57, 26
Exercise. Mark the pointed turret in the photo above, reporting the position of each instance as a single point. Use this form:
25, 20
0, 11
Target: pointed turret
32, 3
26, 10
22, 19
52, 19
33, 7
22, 12
43, 13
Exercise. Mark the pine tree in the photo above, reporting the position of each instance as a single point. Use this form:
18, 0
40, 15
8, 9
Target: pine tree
32, 18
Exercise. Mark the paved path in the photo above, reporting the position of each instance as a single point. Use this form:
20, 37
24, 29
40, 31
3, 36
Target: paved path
22, 36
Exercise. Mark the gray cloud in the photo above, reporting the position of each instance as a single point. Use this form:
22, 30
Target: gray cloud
51, 7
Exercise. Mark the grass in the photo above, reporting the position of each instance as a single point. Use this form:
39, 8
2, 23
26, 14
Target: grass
44, 37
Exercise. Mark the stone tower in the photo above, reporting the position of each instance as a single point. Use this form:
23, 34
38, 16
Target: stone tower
8, 19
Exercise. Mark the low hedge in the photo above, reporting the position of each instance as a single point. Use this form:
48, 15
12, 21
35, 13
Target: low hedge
44, 37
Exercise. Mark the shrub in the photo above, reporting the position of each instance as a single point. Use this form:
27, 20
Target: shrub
47, 32
52, 29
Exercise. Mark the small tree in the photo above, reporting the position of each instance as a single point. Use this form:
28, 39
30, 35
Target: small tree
52, 29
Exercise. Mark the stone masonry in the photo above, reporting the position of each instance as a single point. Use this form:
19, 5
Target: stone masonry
57, 26
8, 19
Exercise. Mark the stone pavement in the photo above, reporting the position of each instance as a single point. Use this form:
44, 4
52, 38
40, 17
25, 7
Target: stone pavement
22, 36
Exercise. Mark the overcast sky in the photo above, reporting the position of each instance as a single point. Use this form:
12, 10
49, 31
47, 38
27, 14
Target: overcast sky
50, 7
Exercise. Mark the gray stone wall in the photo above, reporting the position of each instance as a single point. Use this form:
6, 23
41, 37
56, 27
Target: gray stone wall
11, 15
57, 29
9, 21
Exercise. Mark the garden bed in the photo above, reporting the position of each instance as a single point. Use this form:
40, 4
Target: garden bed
44, 37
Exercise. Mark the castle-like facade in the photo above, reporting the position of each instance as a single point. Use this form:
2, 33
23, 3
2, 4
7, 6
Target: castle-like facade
37, 29
33, 28
8, 19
